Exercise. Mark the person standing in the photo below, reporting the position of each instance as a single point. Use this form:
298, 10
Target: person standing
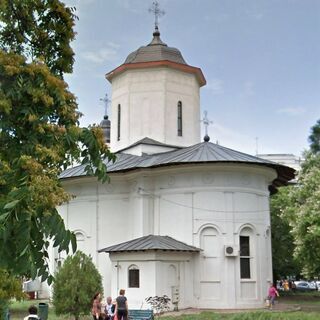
96, 307
109, 309
121, 306
272, 294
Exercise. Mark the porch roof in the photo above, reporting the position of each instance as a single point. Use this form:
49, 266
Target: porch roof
151, 242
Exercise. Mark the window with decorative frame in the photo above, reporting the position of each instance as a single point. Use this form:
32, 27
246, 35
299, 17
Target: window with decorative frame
119, 122
133, 277
245, 265
179, 118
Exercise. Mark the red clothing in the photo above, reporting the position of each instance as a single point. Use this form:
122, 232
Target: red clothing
273, 292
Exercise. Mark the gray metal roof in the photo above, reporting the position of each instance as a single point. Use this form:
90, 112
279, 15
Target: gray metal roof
151, 242
205, 152
151, 142
156, 50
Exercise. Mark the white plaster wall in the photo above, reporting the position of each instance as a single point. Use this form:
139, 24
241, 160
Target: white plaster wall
181, 202
225, 198
148, 99
147, 266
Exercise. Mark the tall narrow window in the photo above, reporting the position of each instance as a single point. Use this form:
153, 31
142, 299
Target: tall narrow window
180, 119
133, 277
119, 121
245, 257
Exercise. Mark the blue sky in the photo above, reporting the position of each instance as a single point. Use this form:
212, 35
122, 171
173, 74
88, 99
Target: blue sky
260, 59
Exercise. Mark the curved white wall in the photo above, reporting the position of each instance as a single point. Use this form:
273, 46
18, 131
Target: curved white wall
148, 99
208, 206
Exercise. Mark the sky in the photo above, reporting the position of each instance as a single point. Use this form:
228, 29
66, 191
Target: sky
260, 59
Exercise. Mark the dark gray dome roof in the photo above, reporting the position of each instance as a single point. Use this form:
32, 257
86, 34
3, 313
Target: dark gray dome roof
156, 50
205, 152
105, 125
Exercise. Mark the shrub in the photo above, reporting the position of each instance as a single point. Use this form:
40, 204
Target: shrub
10, 287
75, 284
159, 304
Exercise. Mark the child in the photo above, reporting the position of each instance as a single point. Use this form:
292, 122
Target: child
272, 294
33, 314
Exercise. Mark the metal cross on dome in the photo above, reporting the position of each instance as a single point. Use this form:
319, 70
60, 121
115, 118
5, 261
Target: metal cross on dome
106, 102
206, 122
155, 9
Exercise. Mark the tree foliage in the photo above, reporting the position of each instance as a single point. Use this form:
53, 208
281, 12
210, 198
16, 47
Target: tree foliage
10, 287
39, 133
295, 213
314, 138
284, 264
41, 29
75, 285
303, 215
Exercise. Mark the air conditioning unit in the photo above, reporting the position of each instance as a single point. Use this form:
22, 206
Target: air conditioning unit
231, 251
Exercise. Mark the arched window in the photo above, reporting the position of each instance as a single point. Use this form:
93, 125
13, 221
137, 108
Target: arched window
133, 277
119, 121
179, 118
80, 240
246, 254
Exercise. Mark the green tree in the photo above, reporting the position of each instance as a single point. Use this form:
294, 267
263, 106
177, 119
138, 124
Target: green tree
39, 133
10, 287
295, 213
75, 285
314, 138
284, 264
303, 214
39, 29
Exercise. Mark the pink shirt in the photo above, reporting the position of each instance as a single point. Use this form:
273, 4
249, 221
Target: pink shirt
272, 291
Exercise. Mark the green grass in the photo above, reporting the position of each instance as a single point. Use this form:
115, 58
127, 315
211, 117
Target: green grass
309, 301
248, 316
310, 304
19, 309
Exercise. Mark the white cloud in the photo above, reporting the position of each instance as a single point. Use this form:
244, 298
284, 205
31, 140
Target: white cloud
233, 139
113, 45
108, 53
80, 6
132, 6
77, 2
215, 86
294, 111
248, 89
257, 16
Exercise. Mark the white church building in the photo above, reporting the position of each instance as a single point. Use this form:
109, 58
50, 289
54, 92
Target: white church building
180, 217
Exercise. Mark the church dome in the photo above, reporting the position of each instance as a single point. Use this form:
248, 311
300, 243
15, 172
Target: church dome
156, 50
105, 125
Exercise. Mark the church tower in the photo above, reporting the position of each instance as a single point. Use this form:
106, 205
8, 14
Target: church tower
155, 94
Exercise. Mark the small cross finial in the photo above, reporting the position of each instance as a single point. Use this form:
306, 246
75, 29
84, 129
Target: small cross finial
106, 102
206, 122
155, 9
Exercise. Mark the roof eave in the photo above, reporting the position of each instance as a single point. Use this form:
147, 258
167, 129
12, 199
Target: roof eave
156, 64
144, 250
284, 174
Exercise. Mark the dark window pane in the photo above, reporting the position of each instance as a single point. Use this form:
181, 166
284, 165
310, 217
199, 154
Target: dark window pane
180, 119
244, 246
134, 278
245, 268
119, 120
